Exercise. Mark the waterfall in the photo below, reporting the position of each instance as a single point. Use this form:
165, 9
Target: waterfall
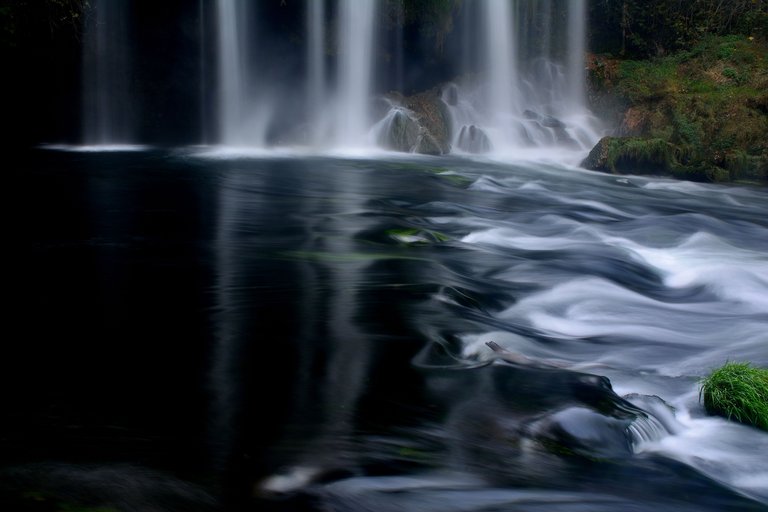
106, 75
501, 55
231, 70
244, 113
525, 60
577, 36
355, 72
203, 73
316, 68
529, 90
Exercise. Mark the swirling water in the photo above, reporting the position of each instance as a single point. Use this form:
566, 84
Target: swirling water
310, 332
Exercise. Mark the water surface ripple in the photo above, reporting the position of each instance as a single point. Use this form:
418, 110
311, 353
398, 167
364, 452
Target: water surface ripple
310, 332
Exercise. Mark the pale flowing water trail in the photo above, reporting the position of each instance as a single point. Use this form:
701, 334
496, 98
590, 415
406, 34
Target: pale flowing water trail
315, 327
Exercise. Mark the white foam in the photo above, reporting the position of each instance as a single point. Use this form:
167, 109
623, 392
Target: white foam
729, 452
734, 274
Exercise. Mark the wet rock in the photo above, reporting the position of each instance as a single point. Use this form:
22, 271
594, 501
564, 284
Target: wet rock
400, 132
473, 140
631, 155
552, 122
584, 432
597, 160
451, 94
530, 114
431, 113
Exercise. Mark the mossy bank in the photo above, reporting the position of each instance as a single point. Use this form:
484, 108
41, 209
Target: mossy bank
699, 114
739, 392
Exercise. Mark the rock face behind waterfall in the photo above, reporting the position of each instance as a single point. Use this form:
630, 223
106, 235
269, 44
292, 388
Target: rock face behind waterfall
417, 124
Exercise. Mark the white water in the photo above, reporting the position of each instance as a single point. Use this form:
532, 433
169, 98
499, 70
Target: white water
653, 299
575, 76
316, 73
502, 68
106, 76
355, 74
244, 114
530, 91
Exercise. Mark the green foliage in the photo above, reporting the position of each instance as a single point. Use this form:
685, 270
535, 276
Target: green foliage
636, 154
746, 167
647, 80
686, 130
739, 392
643, 28
708, 101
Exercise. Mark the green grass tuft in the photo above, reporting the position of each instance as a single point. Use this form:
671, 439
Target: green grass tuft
738, 392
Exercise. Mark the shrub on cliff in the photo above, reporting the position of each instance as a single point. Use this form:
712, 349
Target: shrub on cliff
738, 391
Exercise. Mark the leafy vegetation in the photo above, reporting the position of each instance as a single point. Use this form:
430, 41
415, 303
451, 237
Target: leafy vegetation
647, 28
738, 391
708, 101
22, 19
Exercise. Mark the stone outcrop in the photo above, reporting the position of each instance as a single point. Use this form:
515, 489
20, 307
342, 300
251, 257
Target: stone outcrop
417, 124
635, 155
701, 114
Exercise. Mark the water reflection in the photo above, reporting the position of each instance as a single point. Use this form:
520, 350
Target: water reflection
338, 322
291, 282
331, 277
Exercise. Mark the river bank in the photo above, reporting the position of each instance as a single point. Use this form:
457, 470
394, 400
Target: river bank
698, 114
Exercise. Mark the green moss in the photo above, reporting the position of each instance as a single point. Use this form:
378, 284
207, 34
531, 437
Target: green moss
739, 392
647, 80
708, 102
417, 236
687, 129
651, 155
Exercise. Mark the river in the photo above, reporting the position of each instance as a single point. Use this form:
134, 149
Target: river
194, 329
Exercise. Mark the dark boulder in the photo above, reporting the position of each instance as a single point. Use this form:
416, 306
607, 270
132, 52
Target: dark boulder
399, 131
433, 117
631, 155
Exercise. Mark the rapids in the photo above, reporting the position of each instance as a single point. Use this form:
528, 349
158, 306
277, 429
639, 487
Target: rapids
309, 331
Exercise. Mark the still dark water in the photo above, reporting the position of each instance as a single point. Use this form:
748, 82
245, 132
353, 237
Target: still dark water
192, 330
